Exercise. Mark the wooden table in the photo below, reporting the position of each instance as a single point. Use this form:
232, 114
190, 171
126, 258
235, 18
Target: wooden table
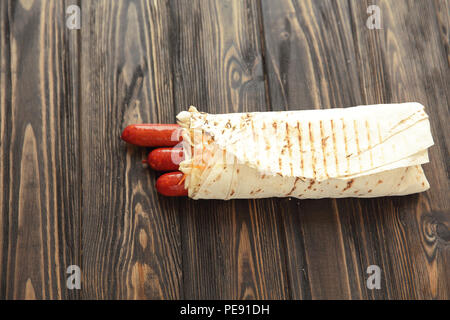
72, 193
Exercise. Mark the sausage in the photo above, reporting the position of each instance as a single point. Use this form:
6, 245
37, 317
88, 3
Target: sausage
171, 184
152, 135
165, 159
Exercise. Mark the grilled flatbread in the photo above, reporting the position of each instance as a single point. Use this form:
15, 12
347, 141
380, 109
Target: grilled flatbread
364, 151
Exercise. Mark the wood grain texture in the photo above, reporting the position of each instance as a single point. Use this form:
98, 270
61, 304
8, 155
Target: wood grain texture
321, 55
131, 237
71, 192
233, 249
39, 222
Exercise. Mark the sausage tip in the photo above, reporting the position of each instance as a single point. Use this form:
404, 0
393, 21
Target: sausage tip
165, 159
169, 185
126, 134
152, 135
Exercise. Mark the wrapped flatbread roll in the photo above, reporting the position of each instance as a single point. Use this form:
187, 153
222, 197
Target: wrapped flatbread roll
364, 151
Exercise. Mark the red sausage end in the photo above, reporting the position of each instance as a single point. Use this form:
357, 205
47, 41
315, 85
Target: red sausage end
152, 135
165, 159
171, 184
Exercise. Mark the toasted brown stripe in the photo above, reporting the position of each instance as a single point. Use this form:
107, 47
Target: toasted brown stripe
311, 141
323, 140
346, 145
406, 119
224, 160
300, 146
266, 141
335, 147
289, 146
203, 147
370, 143
253, 130
294, 186
358, 149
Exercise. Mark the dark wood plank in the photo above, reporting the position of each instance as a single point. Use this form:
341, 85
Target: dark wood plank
72, 193
39, 191
442, 10
321, 55
131, 243
231, 249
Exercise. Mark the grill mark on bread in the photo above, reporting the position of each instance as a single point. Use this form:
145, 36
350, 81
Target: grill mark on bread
300, 147
274, 125
404, 120
224, 154
370, 143
289, 146
294, 186
313, 158
323, 142
230, 190
203, 148
346, 145
335, 147
358, 149
266, 141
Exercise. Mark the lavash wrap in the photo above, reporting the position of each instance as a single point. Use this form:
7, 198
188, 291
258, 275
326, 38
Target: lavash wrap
364, 151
